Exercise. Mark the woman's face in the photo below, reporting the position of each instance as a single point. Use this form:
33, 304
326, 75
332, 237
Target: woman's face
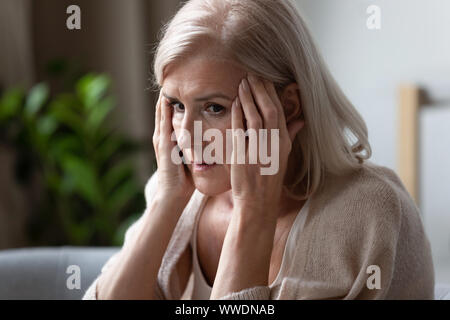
203, 89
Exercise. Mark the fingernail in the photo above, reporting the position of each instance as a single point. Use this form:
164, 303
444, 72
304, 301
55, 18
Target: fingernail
241, 85
245, 84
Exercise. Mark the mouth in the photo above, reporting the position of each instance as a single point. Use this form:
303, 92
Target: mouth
202, 166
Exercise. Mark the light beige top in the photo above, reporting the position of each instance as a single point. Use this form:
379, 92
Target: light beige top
201, 289
356, 221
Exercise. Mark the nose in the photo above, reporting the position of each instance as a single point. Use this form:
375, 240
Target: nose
190, 138
186, 131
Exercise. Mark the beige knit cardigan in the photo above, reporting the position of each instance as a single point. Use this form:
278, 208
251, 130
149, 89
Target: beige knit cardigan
358, 220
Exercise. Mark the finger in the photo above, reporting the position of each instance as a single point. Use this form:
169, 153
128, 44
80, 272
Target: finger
251, 113
270, 87
158, 115
237, 116
264, 102
238, 140
165, 122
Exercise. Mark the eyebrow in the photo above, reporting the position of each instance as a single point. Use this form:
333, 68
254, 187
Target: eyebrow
204, 98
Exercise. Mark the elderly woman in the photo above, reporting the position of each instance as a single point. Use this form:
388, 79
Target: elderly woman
327, 224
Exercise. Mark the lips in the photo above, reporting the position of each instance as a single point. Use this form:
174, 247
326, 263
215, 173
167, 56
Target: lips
203, 166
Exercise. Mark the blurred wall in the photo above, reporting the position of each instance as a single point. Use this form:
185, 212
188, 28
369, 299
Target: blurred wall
16, 68
16, 50
413, 46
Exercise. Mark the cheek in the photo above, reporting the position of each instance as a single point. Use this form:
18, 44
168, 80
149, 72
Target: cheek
220, 123
177, 126
222, 145
176, 122
224, 125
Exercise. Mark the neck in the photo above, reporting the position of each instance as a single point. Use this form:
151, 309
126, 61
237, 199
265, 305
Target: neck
285, 204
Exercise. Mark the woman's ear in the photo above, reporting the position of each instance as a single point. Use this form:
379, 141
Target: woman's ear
290, 100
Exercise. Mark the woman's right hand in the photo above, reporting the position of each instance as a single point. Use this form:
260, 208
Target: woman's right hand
174, 180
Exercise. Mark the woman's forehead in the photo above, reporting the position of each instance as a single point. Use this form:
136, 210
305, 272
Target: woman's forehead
195, 76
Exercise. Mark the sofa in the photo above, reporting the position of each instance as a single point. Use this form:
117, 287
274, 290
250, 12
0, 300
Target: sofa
48, 273
42, 273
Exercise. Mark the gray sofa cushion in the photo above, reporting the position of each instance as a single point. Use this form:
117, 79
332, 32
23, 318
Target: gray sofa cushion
40, 273
442, 292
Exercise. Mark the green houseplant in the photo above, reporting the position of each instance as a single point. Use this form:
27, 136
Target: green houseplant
85, 168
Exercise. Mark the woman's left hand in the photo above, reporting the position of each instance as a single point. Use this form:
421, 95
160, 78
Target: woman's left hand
259, 106
247, 248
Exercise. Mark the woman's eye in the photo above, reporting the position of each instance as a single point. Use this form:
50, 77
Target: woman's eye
215, 108
178, 107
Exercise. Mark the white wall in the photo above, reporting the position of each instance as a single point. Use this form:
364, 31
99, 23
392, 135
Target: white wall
413, 45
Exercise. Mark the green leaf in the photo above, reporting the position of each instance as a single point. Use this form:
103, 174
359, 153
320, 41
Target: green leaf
36, 99
99, 112
91, 88
63, 109
47, 125
53, 181
115, 175
109, 147
10, 103
65, 144
84, 178
121, 196
67, 185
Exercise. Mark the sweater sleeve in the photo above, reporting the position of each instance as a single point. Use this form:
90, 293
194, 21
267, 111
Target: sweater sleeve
364, 240
396, 245
381, 245
255, 293
91, 292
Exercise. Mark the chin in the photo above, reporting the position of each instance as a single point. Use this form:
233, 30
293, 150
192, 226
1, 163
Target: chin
211, 186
